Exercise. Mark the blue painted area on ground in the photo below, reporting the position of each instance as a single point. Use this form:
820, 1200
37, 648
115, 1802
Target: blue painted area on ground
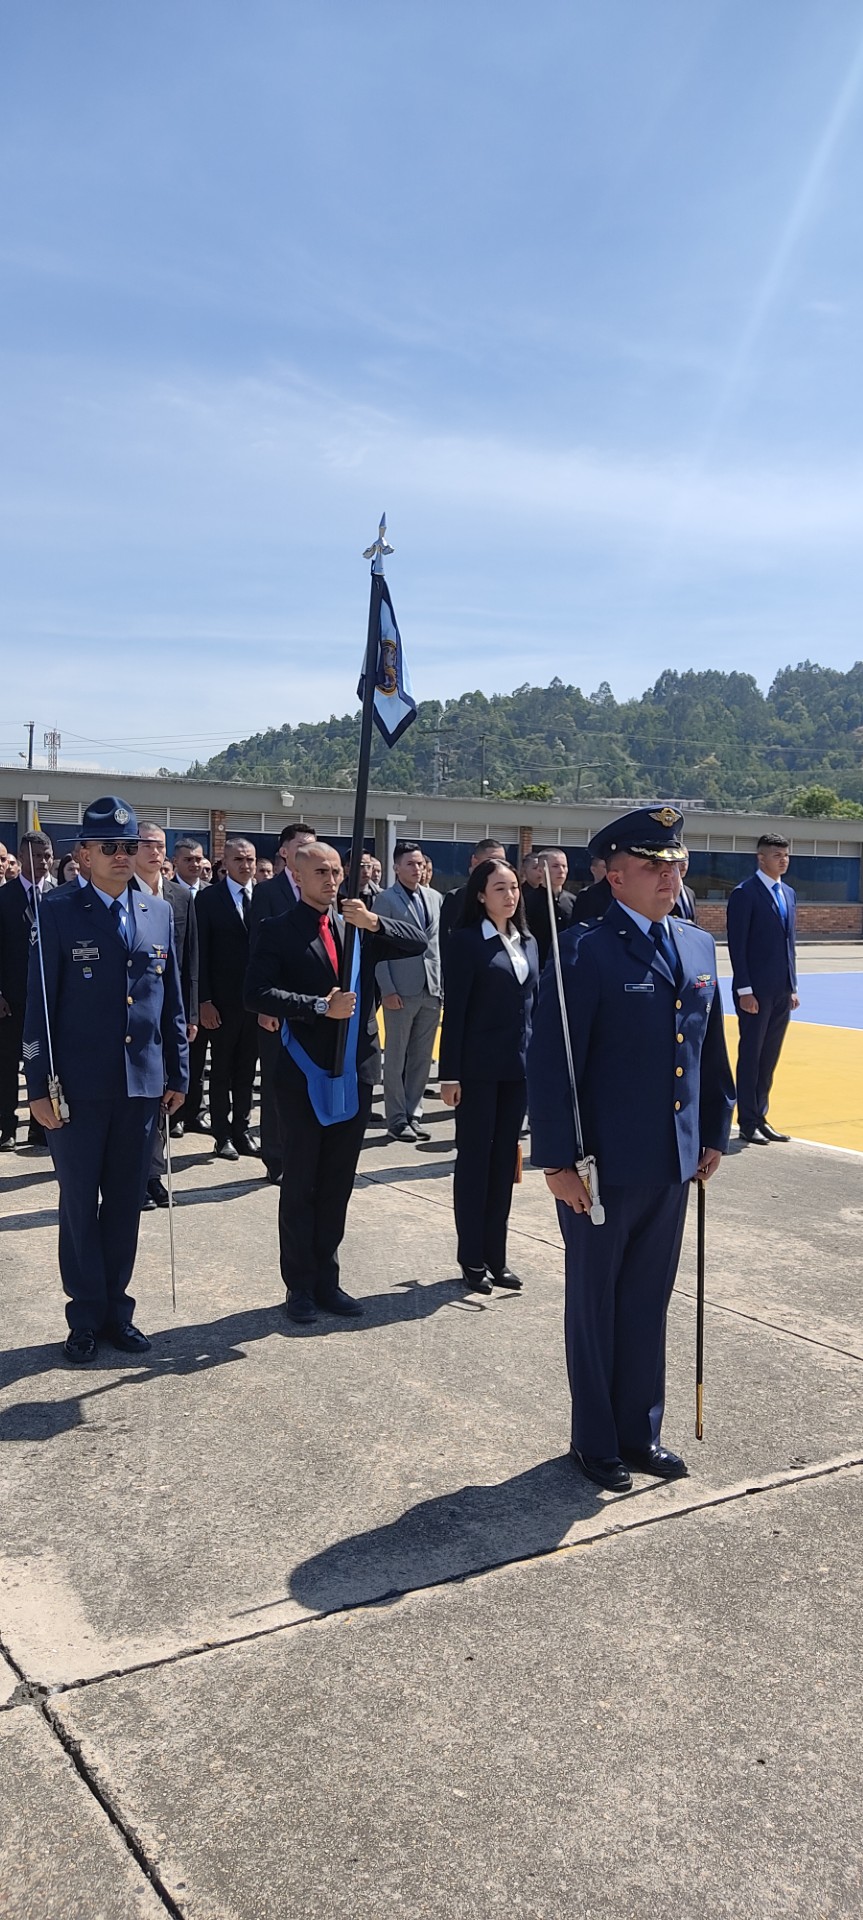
826, 999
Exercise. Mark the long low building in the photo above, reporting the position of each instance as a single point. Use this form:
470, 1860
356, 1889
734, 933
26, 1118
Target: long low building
826, 854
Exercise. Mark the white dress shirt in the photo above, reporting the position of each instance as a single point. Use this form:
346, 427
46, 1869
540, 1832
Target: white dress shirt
239, 894
514, 945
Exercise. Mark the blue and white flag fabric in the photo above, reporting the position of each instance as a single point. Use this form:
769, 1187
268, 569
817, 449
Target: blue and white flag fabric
395, 707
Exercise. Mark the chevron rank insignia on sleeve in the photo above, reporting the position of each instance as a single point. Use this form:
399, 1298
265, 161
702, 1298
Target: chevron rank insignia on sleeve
31, 1049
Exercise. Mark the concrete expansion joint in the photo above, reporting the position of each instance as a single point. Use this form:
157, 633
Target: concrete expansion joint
74, 1754
772, 1326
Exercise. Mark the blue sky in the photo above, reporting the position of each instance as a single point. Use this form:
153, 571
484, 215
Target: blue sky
574, 291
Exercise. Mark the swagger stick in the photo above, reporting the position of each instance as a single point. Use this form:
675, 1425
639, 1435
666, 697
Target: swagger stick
374, 553
585, 1164
699, 1317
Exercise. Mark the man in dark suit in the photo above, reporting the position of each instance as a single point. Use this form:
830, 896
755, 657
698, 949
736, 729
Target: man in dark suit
118, 1043
16, 926
271, 898
149, 877
190, 864
593, 902
368, 887
293, 976
224, 913
536, 901
656, 1095
684, 907
761, 922
452, 903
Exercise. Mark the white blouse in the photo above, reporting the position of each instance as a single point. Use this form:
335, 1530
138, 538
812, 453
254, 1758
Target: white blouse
514, 945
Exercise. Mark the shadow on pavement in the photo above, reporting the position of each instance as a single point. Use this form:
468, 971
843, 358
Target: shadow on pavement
184, 1351
448, 1536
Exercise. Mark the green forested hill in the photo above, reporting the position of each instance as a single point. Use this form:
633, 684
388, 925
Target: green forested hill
706, 736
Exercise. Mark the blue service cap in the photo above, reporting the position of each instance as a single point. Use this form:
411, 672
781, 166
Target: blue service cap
110, 819
653, 833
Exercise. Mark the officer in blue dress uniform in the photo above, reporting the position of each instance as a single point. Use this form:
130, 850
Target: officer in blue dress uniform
656, 1097
117, 1029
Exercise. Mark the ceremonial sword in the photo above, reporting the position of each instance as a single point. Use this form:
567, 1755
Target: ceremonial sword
55, 1092
585, 1163
699, 1316
170, 1208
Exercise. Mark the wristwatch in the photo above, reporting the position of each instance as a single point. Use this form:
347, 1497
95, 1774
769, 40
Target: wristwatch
322, 1006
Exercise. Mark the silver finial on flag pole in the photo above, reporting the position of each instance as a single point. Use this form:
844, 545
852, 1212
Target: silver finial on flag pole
379, 547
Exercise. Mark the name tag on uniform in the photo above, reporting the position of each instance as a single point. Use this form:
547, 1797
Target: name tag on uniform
85, 953
638, 986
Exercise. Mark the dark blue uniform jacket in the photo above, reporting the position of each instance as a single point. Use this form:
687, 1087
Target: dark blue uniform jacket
761, 948
486, 1010
117, 1020
650, 1059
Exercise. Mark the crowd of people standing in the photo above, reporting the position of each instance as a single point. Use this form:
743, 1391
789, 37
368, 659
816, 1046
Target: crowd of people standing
132, 968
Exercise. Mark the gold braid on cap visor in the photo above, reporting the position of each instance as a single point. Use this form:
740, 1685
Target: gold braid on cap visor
658, 853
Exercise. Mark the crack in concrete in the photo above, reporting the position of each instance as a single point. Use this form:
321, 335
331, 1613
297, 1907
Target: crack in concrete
72, 1749
791, 1477
680, 1293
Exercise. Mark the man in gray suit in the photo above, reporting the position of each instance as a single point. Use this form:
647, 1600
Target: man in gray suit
411, 995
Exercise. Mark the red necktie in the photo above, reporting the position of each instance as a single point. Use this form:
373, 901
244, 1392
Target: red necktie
329, 944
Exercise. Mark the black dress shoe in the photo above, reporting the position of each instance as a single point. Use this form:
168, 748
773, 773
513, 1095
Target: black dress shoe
474, 1278
247, 1145
769, 1133
403, 1132
200, 1124
148, 1204
419, 1133
658, 1461
274, 1175
609, 1473
127, 1339
158, 1193
751, 1139
7, 1143
341, 1303
225, 1150
80, 1348
301, 1308
506, 1278
178, 1128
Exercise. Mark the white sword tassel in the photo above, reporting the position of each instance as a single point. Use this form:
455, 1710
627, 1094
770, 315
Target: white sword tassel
55, 1091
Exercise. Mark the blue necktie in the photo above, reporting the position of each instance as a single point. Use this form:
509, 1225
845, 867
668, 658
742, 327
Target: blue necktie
665, 945
121, 922
779, 897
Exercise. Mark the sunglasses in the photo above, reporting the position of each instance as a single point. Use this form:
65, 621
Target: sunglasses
109, 847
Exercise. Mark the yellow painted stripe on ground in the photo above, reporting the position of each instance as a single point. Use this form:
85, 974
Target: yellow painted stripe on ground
818, 1089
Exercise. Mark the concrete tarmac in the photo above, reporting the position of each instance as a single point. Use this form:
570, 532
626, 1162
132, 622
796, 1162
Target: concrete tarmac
322, 1622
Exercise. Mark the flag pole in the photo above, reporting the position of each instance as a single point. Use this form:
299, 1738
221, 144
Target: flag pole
375, 554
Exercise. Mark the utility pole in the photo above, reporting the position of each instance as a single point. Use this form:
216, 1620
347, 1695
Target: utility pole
482, 739
31, 728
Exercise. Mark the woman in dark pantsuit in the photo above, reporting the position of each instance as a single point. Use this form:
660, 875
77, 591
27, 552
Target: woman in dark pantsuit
491, 969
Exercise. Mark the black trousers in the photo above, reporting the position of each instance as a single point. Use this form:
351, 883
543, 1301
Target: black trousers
233, 1058
761, 1037
619, 1280
270, 1051
197, 1061
319, 1166
11, 1030
101, 1158
488, 1122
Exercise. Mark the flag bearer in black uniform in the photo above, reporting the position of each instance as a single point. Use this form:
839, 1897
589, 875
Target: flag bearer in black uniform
656, 1097
116, 1025
293, 978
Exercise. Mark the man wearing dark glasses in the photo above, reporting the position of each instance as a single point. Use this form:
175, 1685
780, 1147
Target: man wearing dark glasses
104, 1005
